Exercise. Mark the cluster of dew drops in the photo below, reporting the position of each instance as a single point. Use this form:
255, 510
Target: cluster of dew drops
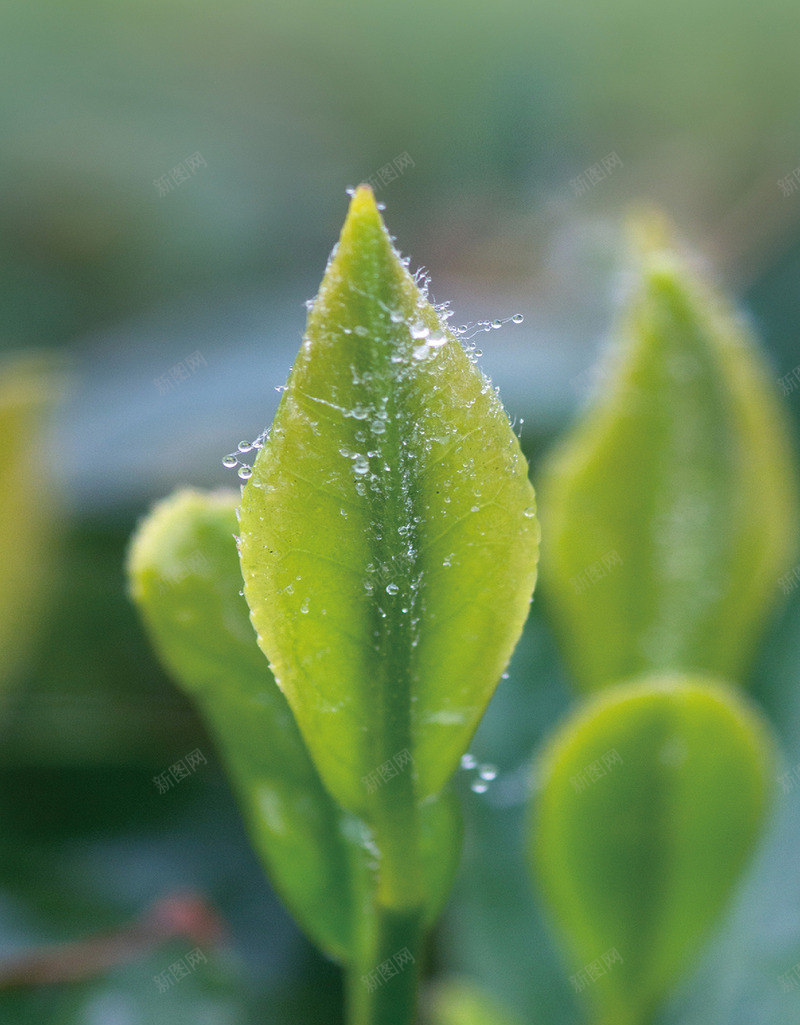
465, 333
233, 460
485, 773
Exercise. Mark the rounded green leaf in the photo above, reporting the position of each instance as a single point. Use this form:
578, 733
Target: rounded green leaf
671, 511
186, 581
388, 533
651, 800
185, 578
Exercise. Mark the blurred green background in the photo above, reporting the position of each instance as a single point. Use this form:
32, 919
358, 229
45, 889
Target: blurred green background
174, 177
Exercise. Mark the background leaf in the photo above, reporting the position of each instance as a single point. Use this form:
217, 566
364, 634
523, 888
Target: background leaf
670, 512
28, 555
651, 800
388, 534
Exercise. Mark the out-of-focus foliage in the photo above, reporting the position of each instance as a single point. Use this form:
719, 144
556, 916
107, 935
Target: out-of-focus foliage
29, 385
671, 509
283, 102
651, 801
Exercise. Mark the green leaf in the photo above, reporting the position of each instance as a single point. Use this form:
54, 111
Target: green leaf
670, 512
28, 388
186, 580
651, 800
388, 534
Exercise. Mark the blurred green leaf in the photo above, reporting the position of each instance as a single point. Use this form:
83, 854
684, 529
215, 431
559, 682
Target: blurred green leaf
28, 388
671, 511
186, 580
652, 798
389, 538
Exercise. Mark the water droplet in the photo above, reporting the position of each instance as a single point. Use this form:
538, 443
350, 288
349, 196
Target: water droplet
350, 190
378, 426
360, 465
479, 787
496, 324
244, 446
304, 606
468, 761
381, 206
359, 413
395, 316
245, 472
436, 341
343, 512
530, 512
517, 318
392, 588
230, 461
420, 331
487, 772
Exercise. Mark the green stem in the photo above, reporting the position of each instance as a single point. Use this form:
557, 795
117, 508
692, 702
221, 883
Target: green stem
382, 983
383, 977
